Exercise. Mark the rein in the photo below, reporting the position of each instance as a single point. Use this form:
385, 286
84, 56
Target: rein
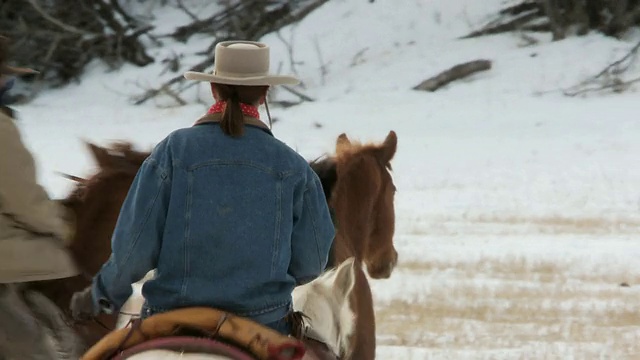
95, 319
100, 323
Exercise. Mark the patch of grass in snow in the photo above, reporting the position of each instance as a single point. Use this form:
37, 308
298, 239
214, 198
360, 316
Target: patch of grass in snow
535, 271
560, 224
518, 224
514, 303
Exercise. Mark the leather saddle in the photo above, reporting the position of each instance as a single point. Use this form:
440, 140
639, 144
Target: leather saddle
198, 330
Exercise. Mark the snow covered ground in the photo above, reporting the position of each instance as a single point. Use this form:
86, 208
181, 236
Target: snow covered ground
518, 209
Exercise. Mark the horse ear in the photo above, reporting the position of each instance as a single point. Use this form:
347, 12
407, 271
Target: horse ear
389, 147
345, 278
101, 155
342, 140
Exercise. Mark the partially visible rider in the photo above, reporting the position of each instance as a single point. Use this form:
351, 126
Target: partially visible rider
228, 215
32, 232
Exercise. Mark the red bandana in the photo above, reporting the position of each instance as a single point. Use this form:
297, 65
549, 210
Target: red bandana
248, 110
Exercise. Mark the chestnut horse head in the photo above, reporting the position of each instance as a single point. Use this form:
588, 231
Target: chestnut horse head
360, 191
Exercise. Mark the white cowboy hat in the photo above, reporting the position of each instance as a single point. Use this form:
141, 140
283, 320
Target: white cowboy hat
242, 63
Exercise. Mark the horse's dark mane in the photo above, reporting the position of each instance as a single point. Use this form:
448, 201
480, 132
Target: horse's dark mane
326, 171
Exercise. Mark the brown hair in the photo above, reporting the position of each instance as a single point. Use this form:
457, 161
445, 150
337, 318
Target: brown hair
232, 122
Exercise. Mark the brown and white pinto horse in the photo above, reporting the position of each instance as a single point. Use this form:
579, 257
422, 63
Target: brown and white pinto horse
360, 192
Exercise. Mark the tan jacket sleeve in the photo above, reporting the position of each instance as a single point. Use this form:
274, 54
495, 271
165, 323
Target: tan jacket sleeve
22, 199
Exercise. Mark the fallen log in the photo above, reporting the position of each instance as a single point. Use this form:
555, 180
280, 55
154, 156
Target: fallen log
455, 73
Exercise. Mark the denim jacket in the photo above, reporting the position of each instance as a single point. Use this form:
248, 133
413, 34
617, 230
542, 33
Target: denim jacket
230, 223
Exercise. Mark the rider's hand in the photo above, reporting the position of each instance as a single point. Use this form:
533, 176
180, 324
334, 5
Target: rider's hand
82, 306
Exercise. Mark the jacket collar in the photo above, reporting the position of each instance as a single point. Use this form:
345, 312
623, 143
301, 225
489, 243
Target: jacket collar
217, 117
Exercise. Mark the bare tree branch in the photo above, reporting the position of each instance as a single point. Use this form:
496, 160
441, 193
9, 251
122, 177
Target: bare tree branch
176, 79
289, 46
57, 22
323, 65
609, 77
298, 93
617, 86
499, 27
237, 21
614, 66
187, 11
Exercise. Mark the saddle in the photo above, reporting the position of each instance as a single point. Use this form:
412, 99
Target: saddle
260, 341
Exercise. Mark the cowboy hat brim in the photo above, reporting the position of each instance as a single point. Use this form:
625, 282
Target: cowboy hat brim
247, 81
18, 71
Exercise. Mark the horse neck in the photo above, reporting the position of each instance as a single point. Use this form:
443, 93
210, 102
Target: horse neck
96, 217
327, 173
353, 329
343, 248
91, 256
363, 340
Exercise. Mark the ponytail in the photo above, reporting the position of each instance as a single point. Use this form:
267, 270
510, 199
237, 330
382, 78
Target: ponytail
232, 122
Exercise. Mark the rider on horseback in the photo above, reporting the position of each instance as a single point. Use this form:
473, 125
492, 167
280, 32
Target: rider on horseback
32, 232
229, 216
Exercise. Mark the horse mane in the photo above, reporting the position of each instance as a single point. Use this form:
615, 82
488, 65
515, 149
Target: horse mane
328, 174
117, 159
